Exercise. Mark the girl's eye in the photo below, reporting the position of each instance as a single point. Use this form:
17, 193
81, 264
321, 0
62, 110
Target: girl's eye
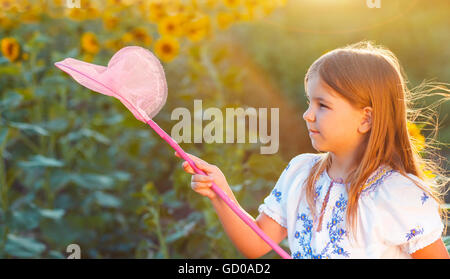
320, 104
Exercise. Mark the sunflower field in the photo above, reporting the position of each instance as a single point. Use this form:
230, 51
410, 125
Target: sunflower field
77, 168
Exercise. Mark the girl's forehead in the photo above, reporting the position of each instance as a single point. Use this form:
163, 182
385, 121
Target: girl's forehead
316, 88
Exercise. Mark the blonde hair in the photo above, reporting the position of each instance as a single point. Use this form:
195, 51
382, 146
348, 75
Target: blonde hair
369, 75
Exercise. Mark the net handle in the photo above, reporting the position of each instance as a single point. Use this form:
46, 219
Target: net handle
220, 192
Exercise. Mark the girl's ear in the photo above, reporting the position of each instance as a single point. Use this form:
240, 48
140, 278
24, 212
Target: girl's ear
366, 122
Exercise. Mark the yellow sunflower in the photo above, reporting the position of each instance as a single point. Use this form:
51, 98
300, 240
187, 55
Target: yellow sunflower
75, 14
6, 23
427, 173
114, 44
171, 26
224, 20
197, 29
167, 48
141, 35
89, 43
231, 3
6, 5
110, 21
268, 7
10, 48
127, 38
417, 138
156, 11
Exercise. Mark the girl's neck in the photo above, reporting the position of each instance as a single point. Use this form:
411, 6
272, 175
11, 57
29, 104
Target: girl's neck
341, 165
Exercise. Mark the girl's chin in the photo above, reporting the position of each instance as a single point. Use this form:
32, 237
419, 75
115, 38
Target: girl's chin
317, 146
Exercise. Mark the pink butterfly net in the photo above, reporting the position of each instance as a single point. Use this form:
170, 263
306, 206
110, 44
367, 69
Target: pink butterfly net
136, 77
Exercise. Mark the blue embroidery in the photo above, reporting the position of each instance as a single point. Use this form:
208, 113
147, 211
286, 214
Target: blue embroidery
277, 194
413, 232
287, 166
335, 232
424, 198
376, 179
318, 189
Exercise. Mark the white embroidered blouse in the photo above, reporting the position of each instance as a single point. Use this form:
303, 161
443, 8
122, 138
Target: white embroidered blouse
395, 217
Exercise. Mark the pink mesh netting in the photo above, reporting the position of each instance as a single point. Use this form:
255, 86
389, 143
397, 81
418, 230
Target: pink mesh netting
133, 75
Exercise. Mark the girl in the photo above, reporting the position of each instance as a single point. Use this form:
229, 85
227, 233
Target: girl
364, 195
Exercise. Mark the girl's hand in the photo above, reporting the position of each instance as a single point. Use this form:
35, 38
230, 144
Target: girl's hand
202, 183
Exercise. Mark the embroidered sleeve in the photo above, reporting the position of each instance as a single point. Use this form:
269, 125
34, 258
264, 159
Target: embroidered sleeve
409, 216
275, 203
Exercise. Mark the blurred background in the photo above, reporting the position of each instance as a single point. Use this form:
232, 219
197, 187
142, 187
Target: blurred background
77, 167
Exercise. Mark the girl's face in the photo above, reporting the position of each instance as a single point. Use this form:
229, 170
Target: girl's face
334, 125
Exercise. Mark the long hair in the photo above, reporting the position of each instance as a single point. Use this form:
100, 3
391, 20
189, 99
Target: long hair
369, 75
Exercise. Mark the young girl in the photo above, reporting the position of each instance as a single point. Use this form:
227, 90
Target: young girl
364, 195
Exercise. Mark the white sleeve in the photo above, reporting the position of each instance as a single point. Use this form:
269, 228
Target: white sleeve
409, 216
275, 204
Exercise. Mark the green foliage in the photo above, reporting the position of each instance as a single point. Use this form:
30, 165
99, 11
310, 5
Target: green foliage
77, 167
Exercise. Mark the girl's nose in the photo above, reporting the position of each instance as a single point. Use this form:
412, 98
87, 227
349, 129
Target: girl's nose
308, 115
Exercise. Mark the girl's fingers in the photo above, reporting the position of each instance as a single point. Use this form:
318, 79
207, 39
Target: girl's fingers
201, 178
194, 158
200, 164
198, 186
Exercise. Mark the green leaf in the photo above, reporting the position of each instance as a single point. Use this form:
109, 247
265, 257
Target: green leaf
9, 69
74, 136
29, 127
121, 176
182, 232
26, 219
23, 247
56, 125
54, 214
3, 135
10, 100
41, 161
106, 200
93, 181
56, 255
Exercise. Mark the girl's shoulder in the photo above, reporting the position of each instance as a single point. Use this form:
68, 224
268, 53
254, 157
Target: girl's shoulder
387, 184
399, 212
302, 162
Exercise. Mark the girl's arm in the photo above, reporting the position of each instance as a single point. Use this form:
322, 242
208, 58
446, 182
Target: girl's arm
435, 250
243, 237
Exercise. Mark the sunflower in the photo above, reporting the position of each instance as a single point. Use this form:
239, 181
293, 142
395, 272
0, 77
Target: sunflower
156, 11
114, 44
171, 26
6, 5
417, 138
89, 43
127, 38
224, 20
6, 23
268, 7
140, 35
231, 3
167, 48
75, 14
10, 48
426, 172
110, 21
198, 28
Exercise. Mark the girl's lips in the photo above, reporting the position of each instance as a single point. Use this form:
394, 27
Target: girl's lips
313, 132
